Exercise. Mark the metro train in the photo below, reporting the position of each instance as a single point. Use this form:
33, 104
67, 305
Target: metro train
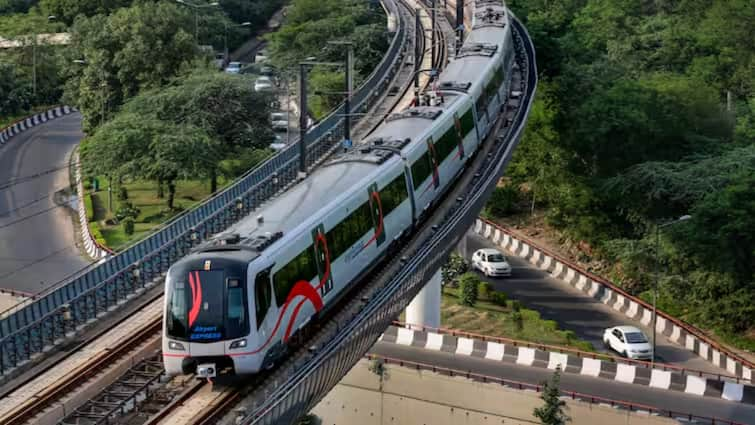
236, 301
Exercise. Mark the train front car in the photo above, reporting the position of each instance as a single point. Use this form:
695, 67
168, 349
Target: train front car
206, 322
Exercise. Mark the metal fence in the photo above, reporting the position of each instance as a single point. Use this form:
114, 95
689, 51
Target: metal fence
315, 378
44, 320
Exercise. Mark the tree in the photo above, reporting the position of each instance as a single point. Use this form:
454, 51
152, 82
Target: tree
67, 10
469, 289
552, 412
453, 268
15, 93
136, 48
225, 107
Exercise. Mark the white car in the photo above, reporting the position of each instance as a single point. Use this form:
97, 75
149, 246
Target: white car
233, 68
280, 125
279, 116
628, 341
491, 262
263, 83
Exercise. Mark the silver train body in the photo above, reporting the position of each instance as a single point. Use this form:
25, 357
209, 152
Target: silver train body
234, 303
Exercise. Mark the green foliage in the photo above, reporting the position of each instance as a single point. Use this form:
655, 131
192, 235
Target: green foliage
499, 298
310, 24
133, 49
485, 290
88, 207
552, 411
68, 10
453, 268
128, 226
127, 210
13, 6
122, 193
503, 201
15, 93
469, 289
632, 126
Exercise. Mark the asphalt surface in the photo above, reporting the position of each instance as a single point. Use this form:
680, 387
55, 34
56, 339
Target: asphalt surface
573, 309
661, 399
37, 243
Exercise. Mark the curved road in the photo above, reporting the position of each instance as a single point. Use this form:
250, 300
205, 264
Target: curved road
37, 241
661, 399
573, 309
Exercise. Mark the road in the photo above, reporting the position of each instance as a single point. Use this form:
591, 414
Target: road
37, 243
573, 309
661, 399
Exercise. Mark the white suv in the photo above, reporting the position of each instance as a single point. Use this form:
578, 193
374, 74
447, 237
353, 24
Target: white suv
491, 262
628, 341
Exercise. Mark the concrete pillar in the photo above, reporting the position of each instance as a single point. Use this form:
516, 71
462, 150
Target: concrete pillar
425, 307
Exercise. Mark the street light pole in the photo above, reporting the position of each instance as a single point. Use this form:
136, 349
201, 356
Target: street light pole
349, 90
302, 117
196, 8
417, 54
225, 38
432, 34
658, 228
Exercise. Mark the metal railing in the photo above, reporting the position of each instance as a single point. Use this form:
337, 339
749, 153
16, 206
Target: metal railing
303, 389
29, 327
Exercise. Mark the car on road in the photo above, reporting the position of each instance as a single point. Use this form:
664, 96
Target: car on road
233, 68
280, 125
263, 83
491, 262
628, 341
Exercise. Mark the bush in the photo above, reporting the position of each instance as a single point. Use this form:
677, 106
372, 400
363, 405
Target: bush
127, 210
469, 289
122, 193
94, 230
485, 289
503, 201
499, 298
88, 206
128, 226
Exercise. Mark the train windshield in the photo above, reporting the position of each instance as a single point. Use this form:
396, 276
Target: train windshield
206, 306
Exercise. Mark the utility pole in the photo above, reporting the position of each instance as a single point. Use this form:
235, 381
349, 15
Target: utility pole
432, 35
302, 118
459, 24
417, 54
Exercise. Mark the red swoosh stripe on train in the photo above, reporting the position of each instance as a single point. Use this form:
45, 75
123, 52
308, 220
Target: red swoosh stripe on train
196, 297
305, 289
379, 230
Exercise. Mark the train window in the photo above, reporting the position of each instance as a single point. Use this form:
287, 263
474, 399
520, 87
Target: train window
421, 170
177, 320
262, 295
341, 237
446, 144
467, 122
392, 195
235, 317
302, 267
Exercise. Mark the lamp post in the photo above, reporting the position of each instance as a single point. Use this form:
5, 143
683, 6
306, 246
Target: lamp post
225, 38
349, 89
658, 228
303, 110
196, 8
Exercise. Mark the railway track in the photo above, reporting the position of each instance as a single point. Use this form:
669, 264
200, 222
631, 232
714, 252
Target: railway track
84, 371
79, 373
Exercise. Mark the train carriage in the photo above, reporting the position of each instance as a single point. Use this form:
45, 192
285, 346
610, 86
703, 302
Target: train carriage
235, 302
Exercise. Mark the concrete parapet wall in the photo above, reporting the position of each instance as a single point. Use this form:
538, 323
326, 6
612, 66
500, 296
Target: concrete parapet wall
24, 124
423, 398
630, 372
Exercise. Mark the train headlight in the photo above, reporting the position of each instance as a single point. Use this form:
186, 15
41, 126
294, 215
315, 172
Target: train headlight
173, 345
238, 344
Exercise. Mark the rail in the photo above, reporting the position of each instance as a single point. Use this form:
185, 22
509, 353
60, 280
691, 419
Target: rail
574, 395
561, 349
603, 281
312, 380
30, 326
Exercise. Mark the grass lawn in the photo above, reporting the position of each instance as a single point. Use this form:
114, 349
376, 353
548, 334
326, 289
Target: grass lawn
496, 320
153, 211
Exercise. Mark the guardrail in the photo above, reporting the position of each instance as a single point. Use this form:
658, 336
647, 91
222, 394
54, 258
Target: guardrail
46, 319
304, 388
608, 293
574, 395
568, 350
23, 124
